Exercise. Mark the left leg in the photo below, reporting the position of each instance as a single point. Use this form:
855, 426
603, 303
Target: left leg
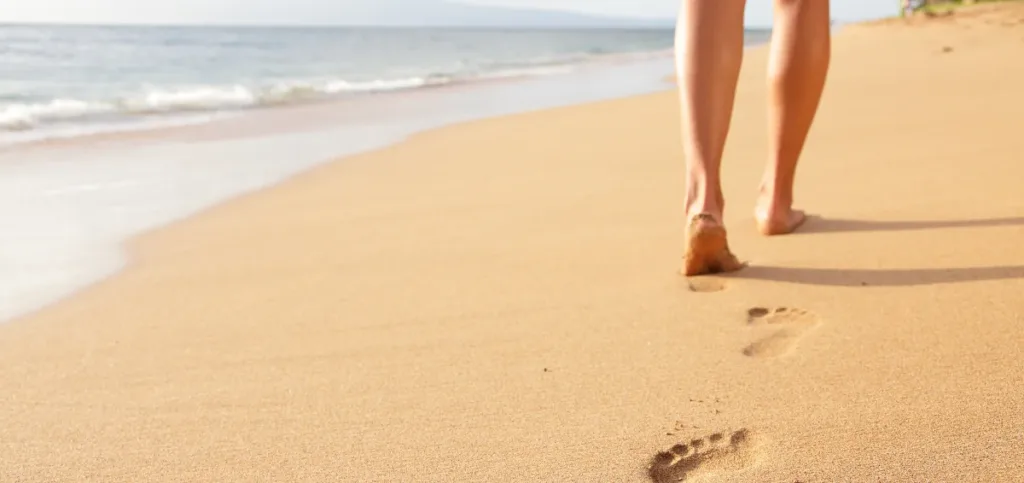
709, 53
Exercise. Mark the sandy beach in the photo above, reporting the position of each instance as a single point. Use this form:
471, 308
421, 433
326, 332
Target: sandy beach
500, 301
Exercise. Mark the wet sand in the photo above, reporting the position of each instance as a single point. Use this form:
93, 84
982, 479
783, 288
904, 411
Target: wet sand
500, 301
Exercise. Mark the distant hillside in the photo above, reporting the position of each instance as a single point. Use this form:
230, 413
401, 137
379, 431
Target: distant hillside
457, 14
444, 13
404, 13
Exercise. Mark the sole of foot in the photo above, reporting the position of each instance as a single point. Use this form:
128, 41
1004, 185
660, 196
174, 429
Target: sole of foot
707, 249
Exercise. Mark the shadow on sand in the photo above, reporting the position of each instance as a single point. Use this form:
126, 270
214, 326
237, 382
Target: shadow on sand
886, 278
879, 278
817, 224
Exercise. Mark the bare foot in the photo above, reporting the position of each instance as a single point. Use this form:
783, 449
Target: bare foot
707, 250
771, 222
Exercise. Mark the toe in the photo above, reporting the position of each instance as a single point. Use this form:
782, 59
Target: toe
796, 218
729, 263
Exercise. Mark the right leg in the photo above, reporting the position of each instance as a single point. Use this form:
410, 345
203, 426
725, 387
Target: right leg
709, 52
796, 77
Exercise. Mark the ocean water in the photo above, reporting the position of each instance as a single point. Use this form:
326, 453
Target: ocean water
66, 208
58, 81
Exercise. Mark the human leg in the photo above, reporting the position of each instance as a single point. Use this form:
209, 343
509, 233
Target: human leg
709, 53
798, 66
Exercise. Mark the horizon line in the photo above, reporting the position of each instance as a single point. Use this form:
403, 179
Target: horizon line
653, 24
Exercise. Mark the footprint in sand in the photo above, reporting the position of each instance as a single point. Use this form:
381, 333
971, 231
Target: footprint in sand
720, 452
705, 284
787, 326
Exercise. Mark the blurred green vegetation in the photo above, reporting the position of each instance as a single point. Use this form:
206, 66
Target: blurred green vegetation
943, 6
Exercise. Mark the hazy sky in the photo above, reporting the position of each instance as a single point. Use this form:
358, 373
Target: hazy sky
759, 12
358, 11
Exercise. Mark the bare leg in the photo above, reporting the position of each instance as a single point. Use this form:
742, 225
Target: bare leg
800, 53
709, 52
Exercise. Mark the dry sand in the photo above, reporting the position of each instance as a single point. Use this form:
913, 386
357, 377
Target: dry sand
499, 301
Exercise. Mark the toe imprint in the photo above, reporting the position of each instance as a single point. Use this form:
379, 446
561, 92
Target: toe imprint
757, 313
714, 453
780, 315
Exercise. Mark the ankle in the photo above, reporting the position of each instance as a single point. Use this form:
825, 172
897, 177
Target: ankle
773, 197
704, 207
700, 200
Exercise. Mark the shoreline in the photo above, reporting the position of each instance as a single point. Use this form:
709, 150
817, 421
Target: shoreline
121, 123
502, 297
260, 120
